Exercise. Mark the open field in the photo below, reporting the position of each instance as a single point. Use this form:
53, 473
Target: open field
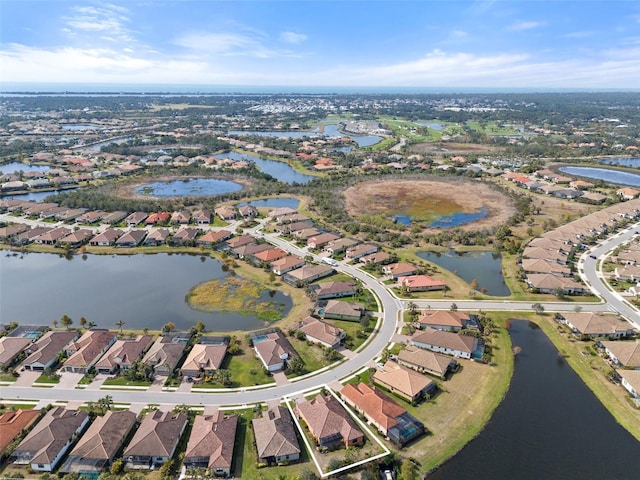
423, 197
454, 148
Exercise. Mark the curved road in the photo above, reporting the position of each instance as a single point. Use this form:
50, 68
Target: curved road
391, 308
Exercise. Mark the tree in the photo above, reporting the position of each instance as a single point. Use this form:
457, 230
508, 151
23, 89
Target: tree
54, 322
295, 365
364, 320
308, 474
120, 324
538, 308
200, 326
453, 307
105, 403
66, 321
82, 322
474, 284
117, 466
413, 310
169, 327
408, 470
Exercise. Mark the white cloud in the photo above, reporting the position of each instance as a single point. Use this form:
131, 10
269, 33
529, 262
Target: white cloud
87, 20
231, 44
292, 37
521, 26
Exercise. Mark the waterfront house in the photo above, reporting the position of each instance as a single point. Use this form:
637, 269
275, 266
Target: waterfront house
123, 353
406, 383
399, 269
239, 241
205, 357
276, 213
329, 423
426, 361
132, 238
268, 256
8, 233
326, 290
247, 251
88, 349
319, 241
211, 443
47, 443
51, 237
13, 423
76, 238
155, 441
286, 264
449, 343
275, 435
273, 350
248, 211
339, 310
320, 332
387, 416
630, 380
548, 283
158, 236
596, 325
307, 274
212, 237
11, 348
98, 446
106, 238
166, 352
185, 236
226, 212
360, 251
201, 217
420, 283
43, 353
623, 354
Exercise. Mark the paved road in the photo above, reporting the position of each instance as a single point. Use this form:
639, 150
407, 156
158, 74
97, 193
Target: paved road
390, 305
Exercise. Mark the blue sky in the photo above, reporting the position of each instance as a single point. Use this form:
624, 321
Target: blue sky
466, 44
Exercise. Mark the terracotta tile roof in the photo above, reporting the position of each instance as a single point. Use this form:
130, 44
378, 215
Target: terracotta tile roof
105, 436
322, 331
627, 353
10, 348
158, 435
275, 349
453, 341
444, 318
327, 418
275, 434
404, 380
12, 423
373, 403
88, 347
124, 352
596, 323
204, 356
212, 436
433, 362
48, 346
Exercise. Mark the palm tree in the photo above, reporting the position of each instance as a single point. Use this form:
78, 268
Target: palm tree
82, 322
54, 322
120, 324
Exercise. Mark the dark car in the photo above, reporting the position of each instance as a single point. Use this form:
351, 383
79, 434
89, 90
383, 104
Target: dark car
593, 256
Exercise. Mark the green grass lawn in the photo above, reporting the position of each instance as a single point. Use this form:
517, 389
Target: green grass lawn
312, 356
48, 379
123, 382
246, 370
352, 329
7, 377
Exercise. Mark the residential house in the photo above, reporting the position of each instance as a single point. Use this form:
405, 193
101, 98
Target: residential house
91, 217
212, 237
322, 291
132, 238
135, 219
239, 241
205, 357
630, 380
340, 245
306, 233
426, 361
211, 443
106, 238
377, 258
88, 349
407, 383
275, 435
77, 238
276, 213
114, 217
47, 442
623, 354
445, 320
157, 236
596, 325
201, 217
248, 211
97, 448
158, 218
386, 415
247, 251
185, 236
329, 423
8, 233
292, 228
181, 217
13, 423
226, 212
627, 193
11, 348
292, 218
165, 353
286, 264
339, 310
30, 235
268, 256
543, 265
273, 350
360, 251
307, 274
43, 353
51, 237
319, 241
449, 343
123, 353
420, 283
323, 333
548, 283
155, 441
399, 269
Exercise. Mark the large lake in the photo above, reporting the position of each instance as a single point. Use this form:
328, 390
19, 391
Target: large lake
194, 187
279, 202
280, 170
330, 130
485, 267
142, 290
549, 426
625, 162
13, 167
605, 174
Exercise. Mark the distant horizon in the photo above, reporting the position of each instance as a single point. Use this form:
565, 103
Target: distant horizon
42, 88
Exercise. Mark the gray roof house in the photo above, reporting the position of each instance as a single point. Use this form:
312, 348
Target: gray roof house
275, 436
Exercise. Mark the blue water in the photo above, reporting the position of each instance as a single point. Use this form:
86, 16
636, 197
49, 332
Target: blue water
80, 127
329, 131
432, 126
258, 339
458, 218
625, 162
605, 174
197, 187
31, 196
447, 221
274, 203
280, 170
13, 167
485, 267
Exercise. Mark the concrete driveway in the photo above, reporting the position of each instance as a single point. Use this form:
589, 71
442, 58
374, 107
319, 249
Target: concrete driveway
26, 378
69, 380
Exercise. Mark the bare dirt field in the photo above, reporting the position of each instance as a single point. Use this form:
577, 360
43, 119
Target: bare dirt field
442, 196
453, 148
